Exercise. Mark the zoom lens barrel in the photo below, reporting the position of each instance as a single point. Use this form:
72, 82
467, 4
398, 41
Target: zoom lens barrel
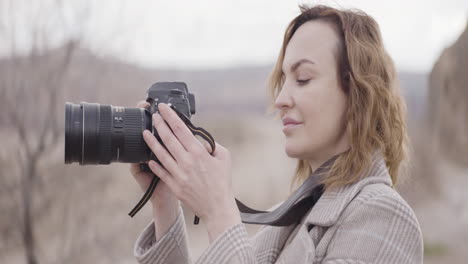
101, 134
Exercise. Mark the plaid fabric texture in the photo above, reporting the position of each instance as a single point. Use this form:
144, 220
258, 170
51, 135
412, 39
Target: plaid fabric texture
366, 222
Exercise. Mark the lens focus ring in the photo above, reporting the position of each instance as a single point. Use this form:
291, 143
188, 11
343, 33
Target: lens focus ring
105, 129
134, 145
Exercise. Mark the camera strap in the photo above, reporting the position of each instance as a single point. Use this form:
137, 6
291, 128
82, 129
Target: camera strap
289, 212
295, 207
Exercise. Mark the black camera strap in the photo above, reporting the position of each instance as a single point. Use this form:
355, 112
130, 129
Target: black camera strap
295, 207
289, 212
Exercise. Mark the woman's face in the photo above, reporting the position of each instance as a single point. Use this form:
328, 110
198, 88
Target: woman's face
311, 103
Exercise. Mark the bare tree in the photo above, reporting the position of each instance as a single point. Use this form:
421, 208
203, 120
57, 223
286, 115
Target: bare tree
31, 94
40, 54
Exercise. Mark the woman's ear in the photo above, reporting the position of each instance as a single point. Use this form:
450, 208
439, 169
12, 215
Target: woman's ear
346, 81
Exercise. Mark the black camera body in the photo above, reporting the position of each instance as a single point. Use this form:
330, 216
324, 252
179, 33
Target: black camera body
172, 93
101, 134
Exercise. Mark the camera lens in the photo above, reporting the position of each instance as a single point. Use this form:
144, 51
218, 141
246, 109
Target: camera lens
101, 134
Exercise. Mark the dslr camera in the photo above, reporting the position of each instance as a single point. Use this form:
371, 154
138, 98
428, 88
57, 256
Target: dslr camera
101, 134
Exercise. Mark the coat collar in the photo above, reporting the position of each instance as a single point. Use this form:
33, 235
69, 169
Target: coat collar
333, 201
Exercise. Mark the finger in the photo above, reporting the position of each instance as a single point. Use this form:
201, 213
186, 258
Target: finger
220, 152
181, 131
161, 153
204, 143
135, 168
167, 136
142, 104
162, 173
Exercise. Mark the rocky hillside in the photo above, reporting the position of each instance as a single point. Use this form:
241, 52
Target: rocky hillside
448, 101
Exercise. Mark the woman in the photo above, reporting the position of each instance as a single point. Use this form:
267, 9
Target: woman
335, 88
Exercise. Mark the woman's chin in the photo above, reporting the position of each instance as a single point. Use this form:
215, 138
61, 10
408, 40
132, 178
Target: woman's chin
293, 152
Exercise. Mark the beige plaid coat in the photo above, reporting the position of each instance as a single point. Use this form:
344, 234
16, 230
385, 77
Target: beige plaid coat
366, 222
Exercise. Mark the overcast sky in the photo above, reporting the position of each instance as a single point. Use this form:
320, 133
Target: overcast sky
223, 33
216, 33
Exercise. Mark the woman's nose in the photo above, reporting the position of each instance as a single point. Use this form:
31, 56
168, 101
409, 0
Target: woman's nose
284, 100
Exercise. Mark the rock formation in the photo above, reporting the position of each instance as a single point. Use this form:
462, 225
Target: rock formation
448, 102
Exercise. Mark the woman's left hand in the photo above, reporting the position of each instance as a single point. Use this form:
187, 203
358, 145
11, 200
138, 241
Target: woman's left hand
200, 180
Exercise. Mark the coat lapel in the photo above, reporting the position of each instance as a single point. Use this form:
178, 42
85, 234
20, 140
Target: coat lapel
333, 201
300, 246
300, 249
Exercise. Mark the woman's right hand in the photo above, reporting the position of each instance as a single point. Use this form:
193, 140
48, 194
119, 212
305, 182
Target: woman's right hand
164, 202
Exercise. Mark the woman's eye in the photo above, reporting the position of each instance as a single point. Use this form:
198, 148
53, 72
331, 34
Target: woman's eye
302, 82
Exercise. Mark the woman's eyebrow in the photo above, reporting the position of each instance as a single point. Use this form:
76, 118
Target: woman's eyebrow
299, 62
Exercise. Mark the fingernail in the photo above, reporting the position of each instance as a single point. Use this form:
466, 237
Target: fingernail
165, 105
146, 133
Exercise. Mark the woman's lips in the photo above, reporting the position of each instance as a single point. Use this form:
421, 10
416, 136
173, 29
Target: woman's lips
289, 127
290, 124
289, 120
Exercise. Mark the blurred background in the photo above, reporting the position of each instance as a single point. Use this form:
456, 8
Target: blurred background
57, 51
